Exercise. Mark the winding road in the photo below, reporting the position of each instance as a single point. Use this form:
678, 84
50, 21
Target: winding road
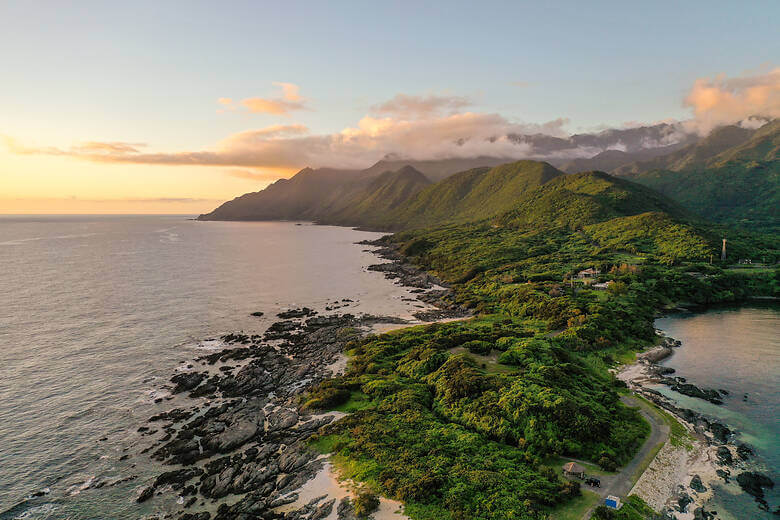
621, 483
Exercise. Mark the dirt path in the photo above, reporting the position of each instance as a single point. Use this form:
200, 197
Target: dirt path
621, 483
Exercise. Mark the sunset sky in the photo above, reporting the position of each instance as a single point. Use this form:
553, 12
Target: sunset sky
174, 107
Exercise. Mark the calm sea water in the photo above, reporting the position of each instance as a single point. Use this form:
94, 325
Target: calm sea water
736, 349
96, 314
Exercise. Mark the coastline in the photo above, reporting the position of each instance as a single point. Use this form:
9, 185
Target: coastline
681, 478
246, 434
665, 484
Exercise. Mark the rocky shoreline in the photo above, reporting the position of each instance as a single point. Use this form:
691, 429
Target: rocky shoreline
679, 480
241, 450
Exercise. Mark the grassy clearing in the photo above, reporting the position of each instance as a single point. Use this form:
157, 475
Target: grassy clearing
326, 443
576, 508
488, 363
750, 270
622, 354
426, 512
357, 401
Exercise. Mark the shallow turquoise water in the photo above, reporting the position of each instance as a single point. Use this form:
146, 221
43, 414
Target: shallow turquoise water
736, 349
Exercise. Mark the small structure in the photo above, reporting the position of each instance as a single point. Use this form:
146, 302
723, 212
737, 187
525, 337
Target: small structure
572, 469
723, 251
612, 501
588, 273
602, 286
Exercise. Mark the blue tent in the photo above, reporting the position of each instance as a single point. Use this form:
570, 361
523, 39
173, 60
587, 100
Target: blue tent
612, 501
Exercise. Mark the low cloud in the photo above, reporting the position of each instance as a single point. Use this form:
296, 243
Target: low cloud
468, 134
721, 100
432, 127
416, 107
115, 147
290, 100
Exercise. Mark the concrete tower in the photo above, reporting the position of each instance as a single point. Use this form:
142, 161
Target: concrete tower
723, 251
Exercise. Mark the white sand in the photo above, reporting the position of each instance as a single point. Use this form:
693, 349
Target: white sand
326, 482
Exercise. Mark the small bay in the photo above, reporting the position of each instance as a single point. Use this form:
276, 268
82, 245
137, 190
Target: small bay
736, 349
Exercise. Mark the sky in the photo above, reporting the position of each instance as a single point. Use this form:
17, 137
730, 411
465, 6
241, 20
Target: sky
174, 107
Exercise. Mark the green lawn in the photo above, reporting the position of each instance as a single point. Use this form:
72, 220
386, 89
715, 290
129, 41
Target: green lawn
575, 509
357, 401
750, 270
325, 443
488, 363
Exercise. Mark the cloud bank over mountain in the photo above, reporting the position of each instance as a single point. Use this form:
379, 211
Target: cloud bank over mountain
436, 127
721, 100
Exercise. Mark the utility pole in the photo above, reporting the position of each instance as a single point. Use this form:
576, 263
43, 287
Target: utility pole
723, 252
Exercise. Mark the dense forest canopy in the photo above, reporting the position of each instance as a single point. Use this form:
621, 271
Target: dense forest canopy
458, 420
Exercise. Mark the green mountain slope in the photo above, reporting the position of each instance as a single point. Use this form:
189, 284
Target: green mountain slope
305, 196
701, 154
740, 185
577, 200
435, 169
371, 205
763, 145
472, 195
740, 193
314, 194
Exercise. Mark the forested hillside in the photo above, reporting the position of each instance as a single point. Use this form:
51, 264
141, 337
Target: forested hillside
461, 420
739, 185
469, 195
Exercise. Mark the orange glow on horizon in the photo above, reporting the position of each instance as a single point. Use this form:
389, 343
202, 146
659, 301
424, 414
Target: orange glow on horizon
41, 184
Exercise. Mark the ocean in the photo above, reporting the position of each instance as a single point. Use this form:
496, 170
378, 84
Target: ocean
99, 311
736, 349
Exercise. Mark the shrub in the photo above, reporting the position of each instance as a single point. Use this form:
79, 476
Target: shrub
607, 464
365, 503
478, 347
327, 398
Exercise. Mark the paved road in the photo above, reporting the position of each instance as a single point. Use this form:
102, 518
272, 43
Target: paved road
621, 483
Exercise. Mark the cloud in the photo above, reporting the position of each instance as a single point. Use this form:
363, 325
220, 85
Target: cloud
290, 100
466, 134
753, 123
289, 91
431, 127
721, 100
416, 107
115, 147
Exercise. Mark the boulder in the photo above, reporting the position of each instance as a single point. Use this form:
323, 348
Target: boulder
145, 494
186, 381
696, 484
235, 435
724, 456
